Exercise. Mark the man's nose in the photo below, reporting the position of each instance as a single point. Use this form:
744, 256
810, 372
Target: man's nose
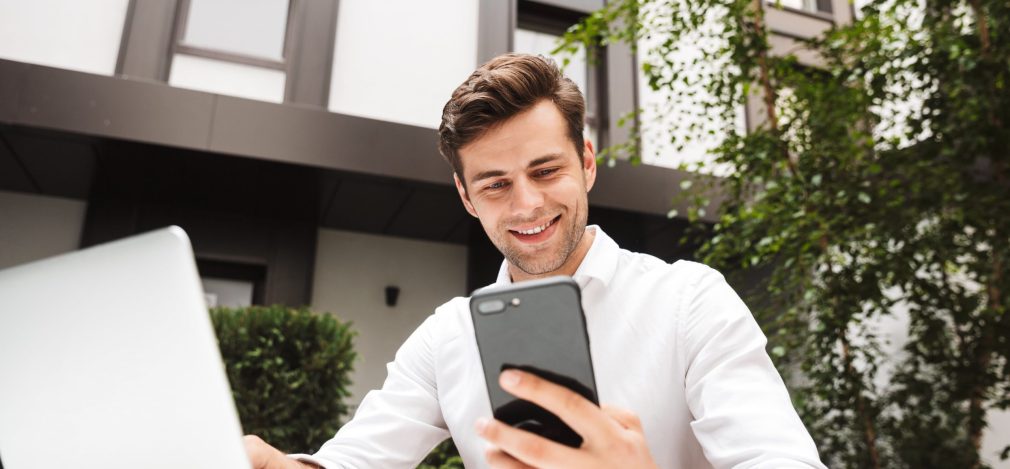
526, 196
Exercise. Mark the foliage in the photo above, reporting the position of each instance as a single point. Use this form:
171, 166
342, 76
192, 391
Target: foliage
877, 182
444, 456
289, 371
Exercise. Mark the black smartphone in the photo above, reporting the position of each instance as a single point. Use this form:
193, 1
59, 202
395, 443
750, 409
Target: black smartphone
538, 327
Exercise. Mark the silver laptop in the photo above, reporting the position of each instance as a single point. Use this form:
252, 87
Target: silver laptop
108, 359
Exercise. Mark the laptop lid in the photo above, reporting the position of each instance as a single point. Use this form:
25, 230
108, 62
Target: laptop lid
108, 359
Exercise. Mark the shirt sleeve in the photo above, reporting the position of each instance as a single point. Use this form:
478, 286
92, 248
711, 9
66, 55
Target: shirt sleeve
395, 426
742, 413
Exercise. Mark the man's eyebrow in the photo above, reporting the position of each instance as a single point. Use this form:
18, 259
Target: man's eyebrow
487, 175
497, 172
544, 159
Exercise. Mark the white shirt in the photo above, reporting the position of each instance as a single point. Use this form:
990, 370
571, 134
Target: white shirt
672, 343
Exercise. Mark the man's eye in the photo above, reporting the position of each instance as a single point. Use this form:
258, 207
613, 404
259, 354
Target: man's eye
546, 171
496, 185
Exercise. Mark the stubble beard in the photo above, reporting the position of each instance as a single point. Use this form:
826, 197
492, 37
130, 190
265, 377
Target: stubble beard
539, 264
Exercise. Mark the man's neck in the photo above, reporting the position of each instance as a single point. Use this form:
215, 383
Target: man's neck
568, 268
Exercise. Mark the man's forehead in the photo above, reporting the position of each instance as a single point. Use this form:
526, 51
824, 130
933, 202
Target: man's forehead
531, 135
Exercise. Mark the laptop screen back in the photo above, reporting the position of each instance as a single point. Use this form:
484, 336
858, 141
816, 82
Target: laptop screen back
108, 359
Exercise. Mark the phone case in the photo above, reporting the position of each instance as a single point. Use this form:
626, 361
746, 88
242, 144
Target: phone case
539, 327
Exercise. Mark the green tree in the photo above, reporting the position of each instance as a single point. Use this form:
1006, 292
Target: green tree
878, 181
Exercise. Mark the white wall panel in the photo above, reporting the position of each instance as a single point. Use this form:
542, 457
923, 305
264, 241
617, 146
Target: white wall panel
34, 227
80, 35
228, 78
352, 272
399, 60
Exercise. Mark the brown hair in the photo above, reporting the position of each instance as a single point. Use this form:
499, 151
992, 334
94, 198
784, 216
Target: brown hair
501, 88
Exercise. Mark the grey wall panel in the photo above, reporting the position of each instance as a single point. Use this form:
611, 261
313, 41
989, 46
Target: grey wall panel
147, 39
362, 205
428, 214
321, 138
155, 113
12, 77
13, 177
62, 167
128, 109
496, 19
311, 61
622, 81
645, 189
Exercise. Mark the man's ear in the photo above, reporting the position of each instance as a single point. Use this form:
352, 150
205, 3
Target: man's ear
464, 196
589, 165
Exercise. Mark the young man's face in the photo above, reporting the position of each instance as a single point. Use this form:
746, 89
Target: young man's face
528, 186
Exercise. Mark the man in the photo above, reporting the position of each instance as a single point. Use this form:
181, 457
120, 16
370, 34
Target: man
682, 374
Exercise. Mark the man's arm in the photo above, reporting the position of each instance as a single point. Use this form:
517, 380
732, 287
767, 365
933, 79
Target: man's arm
741, 408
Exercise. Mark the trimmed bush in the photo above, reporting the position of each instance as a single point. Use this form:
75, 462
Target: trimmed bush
443, 456
289, 370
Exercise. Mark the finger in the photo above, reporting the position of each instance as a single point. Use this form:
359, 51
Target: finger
626, 418
524, 446
578, 412
499, 459
259, 452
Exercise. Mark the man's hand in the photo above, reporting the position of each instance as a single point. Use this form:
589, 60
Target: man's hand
611, 437
264, 456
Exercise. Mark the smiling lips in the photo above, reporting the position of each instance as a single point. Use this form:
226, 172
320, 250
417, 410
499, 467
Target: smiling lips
537, 233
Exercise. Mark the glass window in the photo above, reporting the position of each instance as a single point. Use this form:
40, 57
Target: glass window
676, 131
535, 42
253, 28
538, 41
232, 47
228, 293
805, 5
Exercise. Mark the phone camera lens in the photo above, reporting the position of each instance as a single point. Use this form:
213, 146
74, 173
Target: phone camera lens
491, 307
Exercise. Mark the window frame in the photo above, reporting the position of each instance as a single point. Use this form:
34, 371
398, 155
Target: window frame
179, 47
823, 9
555, 20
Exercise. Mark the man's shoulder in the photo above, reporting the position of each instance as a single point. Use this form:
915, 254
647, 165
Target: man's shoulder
449, 320
680, 270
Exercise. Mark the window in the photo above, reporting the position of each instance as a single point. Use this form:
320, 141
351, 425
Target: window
678, 126
811, 6
231, 284
539, 27
233, 47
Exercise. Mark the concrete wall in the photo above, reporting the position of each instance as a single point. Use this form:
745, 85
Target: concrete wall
352, 272
34, 227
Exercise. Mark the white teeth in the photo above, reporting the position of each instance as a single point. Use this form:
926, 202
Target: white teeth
537, 229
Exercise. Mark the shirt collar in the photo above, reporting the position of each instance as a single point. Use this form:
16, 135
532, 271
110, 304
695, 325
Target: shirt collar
600, 262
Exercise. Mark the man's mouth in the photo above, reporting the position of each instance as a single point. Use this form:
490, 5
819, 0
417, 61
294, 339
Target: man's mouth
536, 233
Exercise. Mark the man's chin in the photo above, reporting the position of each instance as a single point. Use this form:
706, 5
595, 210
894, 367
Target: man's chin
532, 266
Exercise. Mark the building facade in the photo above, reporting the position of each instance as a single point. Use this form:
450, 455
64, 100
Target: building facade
295, 142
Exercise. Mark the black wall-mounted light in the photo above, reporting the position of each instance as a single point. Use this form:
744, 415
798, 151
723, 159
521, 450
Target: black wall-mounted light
392, 293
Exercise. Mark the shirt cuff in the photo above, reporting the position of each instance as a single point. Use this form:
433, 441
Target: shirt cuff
313, 460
